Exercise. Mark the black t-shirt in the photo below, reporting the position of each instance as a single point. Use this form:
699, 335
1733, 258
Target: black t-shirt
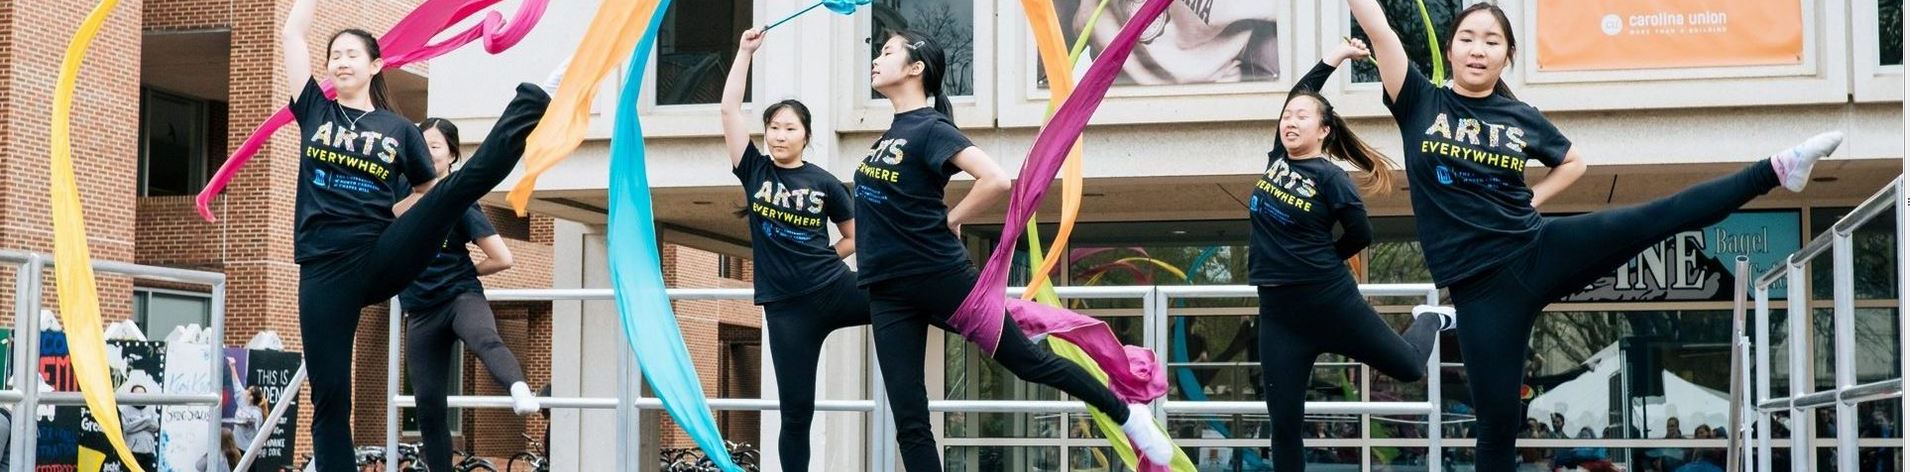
788, 236
1285, 249
902, 223
1465, 158
451, 273
353, 167
1294, 205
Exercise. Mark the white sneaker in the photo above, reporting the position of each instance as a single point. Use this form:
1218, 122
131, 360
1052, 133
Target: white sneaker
1448, 317
523, 402
1793, 165
1146, 437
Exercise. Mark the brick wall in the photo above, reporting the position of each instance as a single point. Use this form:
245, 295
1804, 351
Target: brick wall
33, 42
252, 241
700, 321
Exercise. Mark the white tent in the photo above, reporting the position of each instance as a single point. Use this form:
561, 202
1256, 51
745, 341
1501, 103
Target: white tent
1585, 401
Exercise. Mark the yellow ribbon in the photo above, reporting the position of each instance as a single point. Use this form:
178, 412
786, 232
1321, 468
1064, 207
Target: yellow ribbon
607, 42
72, 264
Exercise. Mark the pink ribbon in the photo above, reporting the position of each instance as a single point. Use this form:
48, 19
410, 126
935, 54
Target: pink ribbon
1133, 373
406, 43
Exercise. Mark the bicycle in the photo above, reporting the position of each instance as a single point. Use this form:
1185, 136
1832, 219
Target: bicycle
529, 458
472, 463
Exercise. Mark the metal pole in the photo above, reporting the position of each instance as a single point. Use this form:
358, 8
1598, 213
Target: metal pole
1763, 344
1844, 322
1154, 335
286, 397
213, 415
394, 352
627, 441
1803, 377
28, 453
1435, 421
1734, 462
25, 356
881, 442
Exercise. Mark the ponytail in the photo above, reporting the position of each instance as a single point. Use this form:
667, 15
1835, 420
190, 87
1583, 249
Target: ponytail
944, 107
1341, 143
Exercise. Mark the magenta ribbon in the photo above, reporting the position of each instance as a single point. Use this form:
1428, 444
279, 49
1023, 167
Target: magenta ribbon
407, 42
1133, 373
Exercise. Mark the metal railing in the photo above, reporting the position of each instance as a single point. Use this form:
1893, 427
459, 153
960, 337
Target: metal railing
29, 287
1155, 301
1803, 401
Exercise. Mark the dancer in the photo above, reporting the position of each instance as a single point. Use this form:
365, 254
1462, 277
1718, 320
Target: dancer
912, 261
446, 304
1309, 302
805, 289
1466, 147
352, 251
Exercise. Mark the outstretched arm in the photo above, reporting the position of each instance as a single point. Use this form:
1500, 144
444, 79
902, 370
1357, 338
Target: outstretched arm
292, 43
1386, 44
735, 127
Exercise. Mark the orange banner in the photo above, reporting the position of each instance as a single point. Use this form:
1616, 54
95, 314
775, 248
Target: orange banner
1668, 34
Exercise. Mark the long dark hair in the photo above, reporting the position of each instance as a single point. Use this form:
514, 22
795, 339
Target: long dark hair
923, 49
794, 106
1342, 144
380, 94
1511, 42
450, 132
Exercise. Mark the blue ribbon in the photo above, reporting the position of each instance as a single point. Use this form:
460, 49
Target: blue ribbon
636, 269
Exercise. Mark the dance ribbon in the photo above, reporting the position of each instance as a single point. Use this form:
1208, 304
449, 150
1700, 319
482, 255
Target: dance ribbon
72, 262
844, 7
611, 35
649, 324
406, 43
1134, 379
1108, 427
1136, 363
1432, 40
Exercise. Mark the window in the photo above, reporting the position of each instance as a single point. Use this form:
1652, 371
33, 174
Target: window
1890, 32
730, 267
951, 23
695, 47
173, 143
158, 311
408, 417
1405, 18
741, 363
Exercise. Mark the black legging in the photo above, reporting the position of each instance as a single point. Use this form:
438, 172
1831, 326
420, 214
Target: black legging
1497, 309
902, 310
430, 336
797, 328
1300, 322
333, 290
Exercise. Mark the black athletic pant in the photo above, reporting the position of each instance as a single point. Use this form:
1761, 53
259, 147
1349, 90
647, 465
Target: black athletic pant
332, 291
1301, 321
430, 335
797, 328
903, 309
1497, 309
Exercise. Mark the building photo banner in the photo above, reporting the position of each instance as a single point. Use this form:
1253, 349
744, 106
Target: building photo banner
1583, 35
1194, 42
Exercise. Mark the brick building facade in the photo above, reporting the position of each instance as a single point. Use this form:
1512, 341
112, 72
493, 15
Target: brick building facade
161, 47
